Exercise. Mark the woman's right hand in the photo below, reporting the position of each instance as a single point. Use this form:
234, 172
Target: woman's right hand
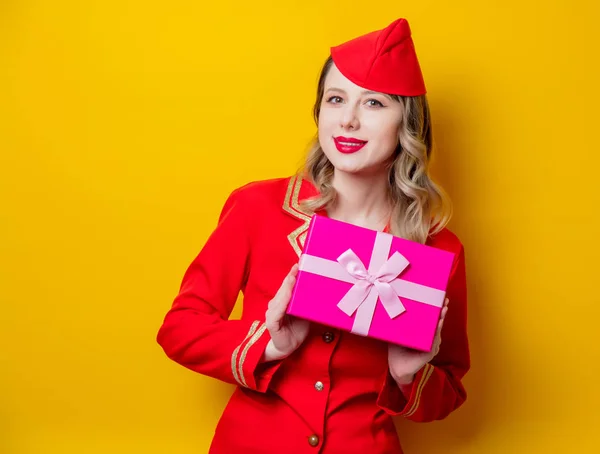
287, 333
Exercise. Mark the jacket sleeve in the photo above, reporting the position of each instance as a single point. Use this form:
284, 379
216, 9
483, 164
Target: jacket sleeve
196, 332
437, 389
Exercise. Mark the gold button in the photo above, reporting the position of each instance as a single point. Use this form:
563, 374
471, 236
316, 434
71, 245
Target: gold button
319, 386
313, 440
328, 337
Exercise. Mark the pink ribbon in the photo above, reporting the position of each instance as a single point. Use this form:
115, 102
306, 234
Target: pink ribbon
362, 297
379, 281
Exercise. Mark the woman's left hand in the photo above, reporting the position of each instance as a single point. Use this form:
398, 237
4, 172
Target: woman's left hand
404, 362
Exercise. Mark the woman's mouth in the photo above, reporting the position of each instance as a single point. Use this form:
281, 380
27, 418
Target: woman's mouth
348, 144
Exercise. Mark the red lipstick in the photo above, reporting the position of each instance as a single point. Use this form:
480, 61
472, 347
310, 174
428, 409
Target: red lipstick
348, 144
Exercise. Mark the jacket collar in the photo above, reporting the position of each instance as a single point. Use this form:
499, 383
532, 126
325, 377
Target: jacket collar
298, 190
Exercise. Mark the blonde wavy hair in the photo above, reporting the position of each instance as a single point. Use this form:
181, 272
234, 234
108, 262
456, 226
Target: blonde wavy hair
420, 208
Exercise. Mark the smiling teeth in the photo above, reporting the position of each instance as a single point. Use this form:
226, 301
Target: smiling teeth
349, 144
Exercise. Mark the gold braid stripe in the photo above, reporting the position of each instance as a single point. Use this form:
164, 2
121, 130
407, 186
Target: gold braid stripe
426, 374
293, 238
250, 343
237, 349
291, 204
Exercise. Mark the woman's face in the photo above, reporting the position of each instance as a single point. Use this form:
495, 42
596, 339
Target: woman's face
358, 128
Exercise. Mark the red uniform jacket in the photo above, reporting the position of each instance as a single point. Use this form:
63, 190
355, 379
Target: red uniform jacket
334, 394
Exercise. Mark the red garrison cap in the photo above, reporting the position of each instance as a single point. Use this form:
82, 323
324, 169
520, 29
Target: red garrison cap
383, 60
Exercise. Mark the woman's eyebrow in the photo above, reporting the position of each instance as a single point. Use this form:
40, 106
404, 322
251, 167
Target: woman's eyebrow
371, 92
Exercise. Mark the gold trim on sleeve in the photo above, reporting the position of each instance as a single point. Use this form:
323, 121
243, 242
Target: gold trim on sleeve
424, 378
237, 349
250, 343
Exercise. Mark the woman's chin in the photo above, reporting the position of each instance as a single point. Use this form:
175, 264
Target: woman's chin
346, 163
357, 170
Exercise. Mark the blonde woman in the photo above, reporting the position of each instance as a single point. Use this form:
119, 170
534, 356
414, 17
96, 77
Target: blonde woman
303, 387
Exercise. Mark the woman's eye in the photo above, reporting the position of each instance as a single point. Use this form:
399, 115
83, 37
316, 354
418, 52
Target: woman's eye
334, 100
374, 103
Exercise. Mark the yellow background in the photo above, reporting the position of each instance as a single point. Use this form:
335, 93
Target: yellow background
125, 124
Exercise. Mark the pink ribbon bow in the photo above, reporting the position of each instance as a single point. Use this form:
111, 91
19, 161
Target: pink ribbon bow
362, 296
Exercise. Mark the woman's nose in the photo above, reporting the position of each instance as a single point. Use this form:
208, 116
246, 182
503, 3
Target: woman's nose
349, 119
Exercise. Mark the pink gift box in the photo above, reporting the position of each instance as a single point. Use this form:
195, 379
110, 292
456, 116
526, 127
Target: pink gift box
371, 283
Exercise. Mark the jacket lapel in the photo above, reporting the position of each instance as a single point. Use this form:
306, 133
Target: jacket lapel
298, 190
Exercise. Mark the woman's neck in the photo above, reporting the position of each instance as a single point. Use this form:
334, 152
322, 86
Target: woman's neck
361, 200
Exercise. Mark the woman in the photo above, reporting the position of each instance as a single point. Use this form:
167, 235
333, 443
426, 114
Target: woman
305, 387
